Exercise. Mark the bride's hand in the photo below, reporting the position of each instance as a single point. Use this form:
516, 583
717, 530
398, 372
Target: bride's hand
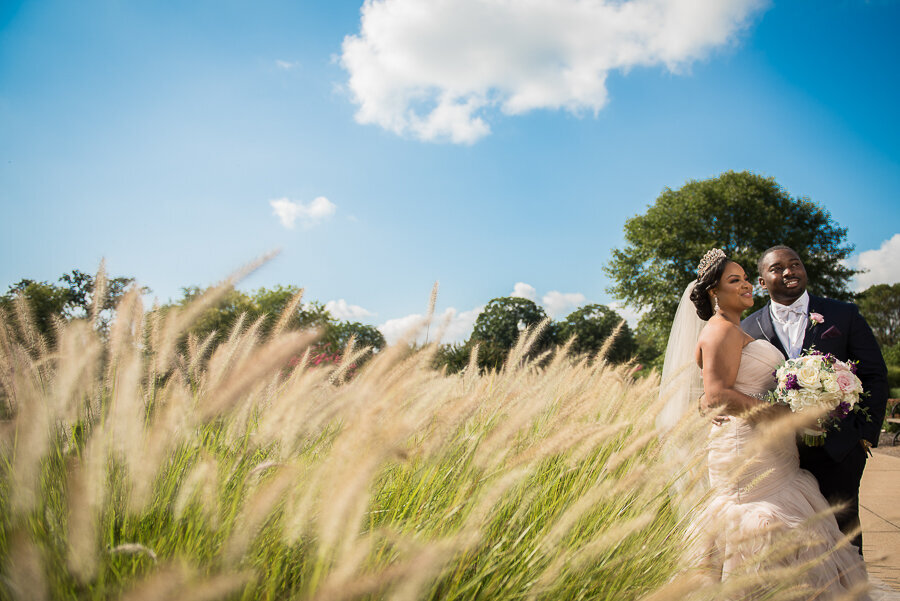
717, 419
720, 420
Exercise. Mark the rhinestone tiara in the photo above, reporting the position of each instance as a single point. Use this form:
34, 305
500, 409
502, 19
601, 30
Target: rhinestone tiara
709, 260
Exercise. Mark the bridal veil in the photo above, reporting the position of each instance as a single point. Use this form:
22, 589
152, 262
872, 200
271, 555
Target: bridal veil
681, 384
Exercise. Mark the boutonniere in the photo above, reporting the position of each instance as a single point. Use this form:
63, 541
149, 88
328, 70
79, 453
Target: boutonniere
816, 318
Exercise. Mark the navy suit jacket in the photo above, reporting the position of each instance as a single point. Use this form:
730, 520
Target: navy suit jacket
845, 334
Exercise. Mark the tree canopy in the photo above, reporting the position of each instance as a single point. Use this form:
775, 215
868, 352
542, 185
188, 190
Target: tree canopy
269, 304
498, 326
880, 305
592, 325
739, 212
47, 302
501, 322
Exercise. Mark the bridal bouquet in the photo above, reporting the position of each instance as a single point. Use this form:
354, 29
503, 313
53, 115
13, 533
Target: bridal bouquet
817, 381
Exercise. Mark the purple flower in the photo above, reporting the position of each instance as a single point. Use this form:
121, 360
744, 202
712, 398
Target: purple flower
791, 382
841, 410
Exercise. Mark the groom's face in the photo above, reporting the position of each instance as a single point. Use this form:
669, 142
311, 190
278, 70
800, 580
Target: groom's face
783, 275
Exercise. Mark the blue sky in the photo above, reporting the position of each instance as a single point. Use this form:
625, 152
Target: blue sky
487, 147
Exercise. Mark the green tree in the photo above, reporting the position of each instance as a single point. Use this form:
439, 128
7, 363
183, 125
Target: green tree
45, 302
80, 288
453, 356
592, 325
337, 334
880, 305
268, 303
48, 302
891, 354
221, 317
742, 213
498, 326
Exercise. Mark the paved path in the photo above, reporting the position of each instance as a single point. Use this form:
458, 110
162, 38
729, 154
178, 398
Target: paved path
879, 512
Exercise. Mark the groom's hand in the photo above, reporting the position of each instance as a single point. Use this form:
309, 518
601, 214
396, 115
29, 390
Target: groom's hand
867, 446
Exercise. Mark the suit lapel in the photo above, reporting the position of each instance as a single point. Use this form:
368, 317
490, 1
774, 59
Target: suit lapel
812, 329
768, 330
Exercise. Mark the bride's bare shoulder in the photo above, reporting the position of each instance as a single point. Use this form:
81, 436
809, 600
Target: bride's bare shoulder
720, 332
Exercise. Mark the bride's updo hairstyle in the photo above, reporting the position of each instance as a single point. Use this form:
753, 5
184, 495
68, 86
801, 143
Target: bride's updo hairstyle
709, 272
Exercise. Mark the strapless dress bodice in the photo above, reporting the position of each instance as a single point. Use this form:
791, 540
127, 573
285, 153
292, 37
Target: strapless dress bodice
758, 360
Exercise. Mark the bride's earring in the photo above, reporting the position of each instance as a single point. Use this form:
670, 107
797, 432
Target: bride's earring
715, 304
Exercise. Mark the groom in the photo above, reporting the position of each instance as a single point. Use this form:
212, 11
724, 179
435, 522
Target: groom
794, 321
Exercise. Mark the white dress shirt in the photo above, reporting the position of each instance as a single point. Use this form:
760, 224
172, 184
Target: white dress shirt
790, 323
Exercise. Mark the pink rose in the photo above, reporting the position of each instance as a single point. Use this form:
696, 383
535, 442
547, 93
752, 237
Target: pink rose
816, 318
846, 381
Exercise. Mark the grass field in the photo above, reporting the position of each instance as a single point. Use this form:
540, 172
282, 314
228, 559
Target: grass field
141, 465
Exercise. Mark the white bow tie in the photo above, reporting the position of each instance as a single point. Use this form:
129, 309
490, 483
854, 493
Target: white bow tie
789, 313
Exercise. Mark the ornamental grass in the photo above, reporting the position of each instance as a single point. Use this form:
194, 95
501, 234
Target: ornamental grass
144, 464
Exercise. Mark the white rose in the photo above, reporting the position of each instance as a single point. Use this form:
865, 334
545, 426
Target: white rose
808, 376
793, 399
830, 383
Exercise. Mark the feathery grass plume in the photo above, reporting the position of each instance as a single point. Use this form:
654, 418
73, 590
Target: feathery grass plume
429, 314
24, 575
183, 583
132, 549
411, 575
170, 328
197, 353
287, 313
163, 585
348, 358
31, 443
199, 485
99, 294
77, 357
247, 342
262, 363
216, 587
223, 357
524, 343
610, 340
84, 497
8, 350
35, 342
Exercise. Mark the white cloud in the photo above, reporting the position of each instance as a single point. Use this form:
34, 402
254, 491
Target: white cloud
457, 326
432, 68
286, 65
523, 290
395, 329
883, 264
629, 314
309, 214
558, 304
340, 309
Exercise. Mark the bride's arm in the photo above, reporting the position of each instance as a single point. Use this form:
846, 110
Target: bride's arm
720, 356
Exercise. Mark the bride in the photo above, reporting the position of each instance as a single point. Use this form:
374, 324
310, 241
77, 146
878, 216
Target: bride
764, 514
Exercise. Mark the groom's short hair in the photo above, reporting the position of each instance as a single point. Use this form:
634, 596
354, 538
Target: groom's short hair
762, 257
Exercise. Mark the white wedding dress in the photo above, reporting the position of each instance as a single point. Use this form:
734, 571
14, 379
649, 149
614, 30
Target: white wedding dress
765, 512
